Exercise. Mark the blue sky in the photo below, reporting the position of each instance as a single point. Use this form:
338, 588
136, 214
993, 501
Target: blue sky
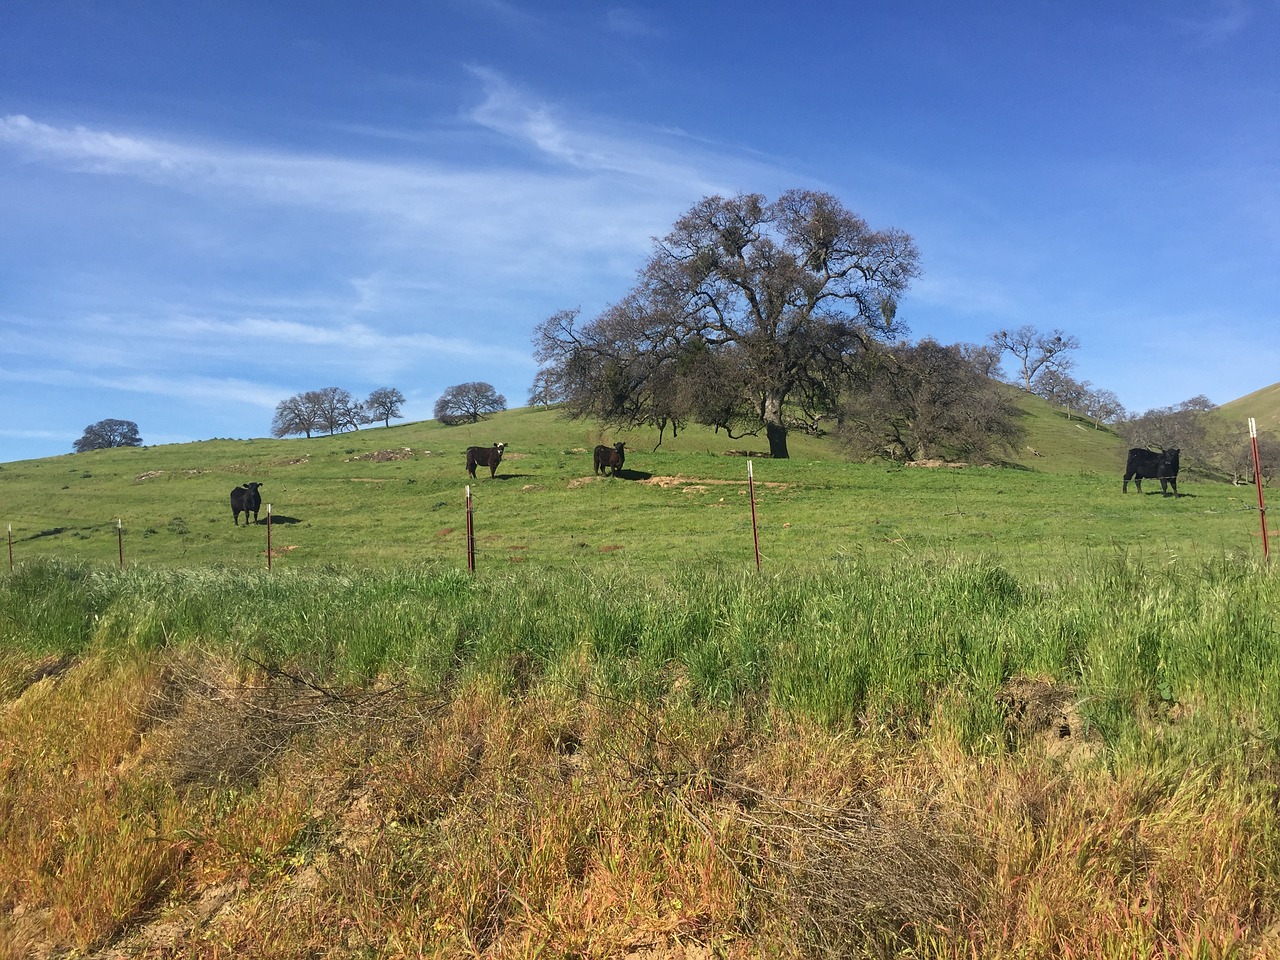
208, 207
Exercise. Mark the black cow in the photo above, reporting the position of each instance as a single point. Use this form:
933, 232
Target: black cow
245, 500
1152, 465
609, 458
485, 457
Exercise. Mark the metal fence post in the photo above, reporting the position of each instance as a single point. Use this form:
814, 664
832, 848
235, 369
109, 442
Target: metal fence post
1257, 481
755, 529
471, 535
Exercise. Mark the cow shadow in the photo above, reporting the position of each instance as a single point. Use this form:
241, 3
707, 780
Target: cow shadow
276, 520
626, 474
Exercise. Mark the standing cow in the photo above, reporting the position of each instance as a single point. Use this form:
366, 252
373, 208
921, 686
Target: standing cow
485, 457
246, 500
1152, 465
609, 459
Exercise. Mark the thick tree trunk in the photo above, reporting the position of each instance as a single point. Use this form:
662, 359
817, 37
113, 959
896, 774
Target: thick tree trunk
775, 429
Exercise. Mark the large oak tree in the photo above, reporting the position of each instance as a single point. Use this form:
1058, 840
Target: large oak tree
747, 314
468, 403
108, 433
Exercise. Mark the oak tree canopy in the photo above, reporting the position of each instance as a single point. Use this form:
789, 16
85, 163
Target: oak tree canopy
750, 314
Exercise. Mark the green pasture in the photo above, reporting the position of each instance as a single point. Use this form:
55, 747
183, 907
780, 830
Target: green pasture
390, 496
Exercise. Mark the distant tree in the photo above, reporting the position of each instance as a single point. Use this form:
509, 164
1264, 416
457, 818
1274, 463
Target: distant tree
1236, 455
1035, 351
468, 403
983, 357
338, 411
1061, 388
543, 391
331, 409
298, 414
914, 402
108, 433
745, 310
1103, 406
383, 404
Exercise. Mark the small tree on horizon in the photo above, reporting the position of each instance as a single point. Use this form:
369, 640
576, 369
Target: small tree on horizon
108, 433
468, 403
383, 404
339, 411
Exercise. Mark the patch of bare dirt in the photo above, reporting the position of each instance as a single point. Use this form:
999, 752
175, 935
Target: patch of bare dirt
386, 456
702, 483
1046, 713
147, 476
934, 464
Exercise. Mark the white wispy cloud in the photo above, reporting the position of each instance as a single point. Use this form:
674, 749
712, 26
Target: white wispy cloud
1223, 20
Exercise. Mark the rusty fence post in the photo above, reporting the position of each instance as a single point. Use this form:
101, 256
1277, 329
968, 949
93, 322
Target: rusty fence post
1257, 482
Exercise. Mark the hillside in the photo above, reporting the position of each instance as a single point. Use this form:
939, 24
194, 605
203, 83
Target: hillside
393, 495
1003, 712
1263, 405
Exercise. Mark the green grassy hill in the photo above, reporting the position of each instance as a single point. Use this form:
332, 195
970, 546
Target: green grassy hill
1263, 405
393, 495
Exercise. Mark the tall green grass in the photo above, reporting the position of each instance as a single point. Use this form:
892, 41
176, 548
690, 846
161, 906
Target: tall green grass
853, 645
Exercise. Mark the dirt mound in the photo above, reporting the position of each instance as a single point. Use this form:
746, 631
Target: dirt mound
1047, 713
679, 481
386, 456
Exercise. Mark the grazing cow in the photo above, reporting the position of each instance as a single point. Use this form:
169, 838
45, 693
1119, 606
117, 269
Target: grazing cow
245, 500
609, 459
485, 457
1150, 465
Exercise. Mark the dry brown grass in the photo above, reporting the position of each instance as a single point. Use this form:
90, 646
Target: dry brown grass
199, 807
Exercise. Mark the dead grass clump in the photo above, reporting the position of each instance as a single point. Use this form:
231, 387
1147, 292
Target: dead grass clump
228, 724
857, 880
845, 878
